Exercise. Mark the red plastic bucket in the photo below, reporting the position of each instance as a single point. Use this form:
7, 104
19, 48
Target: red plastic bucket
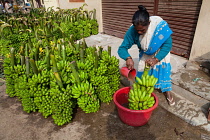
130, 74
128, 116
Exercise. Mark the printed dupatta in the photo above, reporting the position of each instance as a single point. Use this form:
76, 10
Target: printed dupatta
158, 32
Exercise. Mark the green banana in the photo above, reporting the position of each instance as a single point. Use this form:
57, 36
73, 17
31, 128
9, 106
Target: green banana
142, 96
130, 100
133, 98
147, 77
143, 88
143, 80
147, 82
139, 94
136, 96
147, 96
145, 103
155, 81
139, 80
145, 107
151, 98
140, 104
151, 80
150, 90
150, 105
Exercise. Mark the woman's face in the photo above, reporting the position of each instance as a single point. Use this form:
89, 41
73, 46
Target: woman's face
141, 29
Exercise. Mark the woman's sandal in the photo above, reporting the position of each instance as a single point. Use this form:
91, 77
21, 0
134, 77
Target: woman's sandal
208, 118
171, 101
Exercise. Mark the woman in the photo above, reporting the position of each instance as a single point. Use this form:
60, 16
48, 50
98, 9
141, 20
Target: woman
152, 35
8, 7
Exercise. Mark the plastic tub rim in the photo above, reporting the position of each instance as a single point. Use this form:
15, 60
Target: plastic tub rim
135, 111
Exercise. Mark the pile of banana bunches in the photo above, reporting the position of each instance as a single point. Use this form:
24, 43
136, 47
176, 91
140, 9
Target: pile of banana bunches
57, 90
140, 95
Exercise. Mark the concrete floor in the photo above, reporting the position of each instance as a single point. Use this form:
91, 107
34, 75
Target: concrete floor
15, 124
187, 120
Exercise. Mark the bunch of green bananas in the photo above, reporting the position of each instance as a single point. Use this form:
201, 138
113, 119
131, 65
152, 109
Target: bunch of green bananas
86, 99
61, 104
147, 80
86, 66
82, 89
140, 99
89, 103
140, 96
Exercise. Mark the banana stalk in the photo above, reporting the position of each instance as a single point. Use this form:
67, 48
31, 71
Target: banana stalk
109, 50
100, 51
59, 49
58, 79
36, 54
82, 58
12, 58
71, 41
27, 66
84, 43
33, 65
94, 14
54, 68
96, 60
22, 60
47, 58
55, 71
26, 50
74, 71
63, 52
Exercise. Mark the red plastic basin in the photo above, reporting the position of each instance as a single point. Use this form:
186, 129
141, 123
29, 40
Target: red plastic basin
128, 116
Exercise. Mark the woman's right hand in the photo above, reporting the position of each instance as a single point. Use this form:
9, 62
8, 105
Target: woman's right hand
130, 63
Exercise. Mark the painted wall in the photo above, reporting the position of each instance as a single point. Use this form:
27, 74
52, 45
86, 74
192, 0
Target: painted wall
201, 43
92, 4
50, 3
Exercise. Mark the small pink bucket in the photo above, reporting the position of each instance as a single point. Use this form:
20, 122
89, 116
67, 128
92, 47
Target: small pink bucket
130, 74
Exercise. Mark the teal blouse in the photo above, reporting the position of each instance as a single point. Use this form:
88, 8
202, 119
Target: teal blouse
132, 37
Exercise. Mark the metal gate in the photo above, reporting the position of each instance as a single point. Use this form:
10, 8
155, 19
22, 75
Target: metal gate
182, 16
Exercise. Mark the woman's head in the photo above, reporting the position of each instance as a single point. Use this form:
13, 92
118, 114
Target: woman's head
140, 20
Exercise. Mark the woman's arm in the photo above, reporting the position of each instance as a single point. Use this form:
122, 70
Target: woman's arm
164, 50
129, 40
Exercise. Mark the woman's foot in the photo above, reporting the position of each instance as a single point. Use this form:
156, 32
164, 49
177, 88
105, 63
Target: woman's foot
208, 118
169, 98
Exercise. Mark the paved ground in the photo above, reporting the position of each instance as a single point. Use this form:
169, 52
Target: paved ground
15, 124
186, 121
191, 85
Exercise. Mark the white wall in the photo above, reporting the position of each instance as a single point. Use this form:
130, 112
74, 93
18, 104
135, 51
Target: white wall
50, 3
201, 43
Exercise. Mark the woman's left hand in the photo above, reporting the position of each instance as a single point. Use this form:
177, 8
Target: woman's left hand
152, 61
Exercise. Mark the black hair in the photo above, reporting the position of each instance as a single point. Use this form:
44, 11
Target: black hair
141, 16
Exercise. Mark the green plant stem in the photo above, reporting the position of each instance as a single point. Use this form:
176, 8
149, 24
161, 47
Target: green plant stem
109, 50
27, 66
22, 58
54, 67
34, 67
12, 53
74, 71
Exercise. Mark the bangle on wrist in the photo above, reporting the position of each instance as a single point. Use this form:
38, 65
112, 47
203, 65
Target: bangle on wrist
128, 58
